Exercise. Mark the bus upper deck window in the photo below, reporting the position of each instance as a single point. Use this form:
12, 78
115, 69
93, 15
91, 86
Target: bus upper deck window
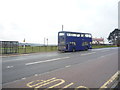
74, 35
82, 35
68, 34
86, 35
90, 35
61, 34
78, 35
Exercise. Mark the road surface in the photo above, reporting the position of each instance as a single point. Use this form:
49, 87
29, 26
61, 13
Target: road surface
87, 69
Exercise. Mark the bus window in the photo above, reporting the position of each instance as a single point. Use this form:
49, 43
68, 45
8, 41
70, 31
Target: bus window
72, 43
90, 43
68, 34
84, 43
82, 35
61, 34
62, 42
86, 35
90, 35
78, 35
72, 34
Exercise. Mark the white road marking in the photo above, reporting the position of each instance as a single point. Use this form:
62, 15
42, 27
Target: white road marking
23, 78
18, 59
67, 53
106, 55
97, 49
105, 50
9, 66
102, 56
36, 75
49, 55
68, 66
46, 61
87, 53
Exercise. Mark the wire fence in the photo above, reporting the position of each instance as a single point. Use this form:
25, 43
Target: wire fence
35, 49
8, 47
28, 49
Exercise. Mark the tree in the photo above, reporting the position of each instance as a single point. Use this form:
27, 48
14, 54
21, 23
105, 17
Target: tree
114, 37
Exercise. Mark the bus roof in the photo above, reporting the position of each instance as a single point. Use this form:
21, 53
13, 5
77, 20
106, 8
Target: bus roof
72, 32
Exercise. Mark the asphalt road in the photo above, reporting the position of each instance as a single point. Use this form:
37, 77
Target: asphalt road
92, 68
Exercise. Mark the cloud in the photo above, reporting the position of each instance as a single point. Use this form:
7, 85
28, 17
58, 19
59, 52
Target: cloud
37, 19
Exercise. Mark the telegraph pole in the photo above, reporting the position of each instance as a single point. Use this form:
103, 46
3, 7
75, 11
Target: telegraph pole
47, 41
24, 42
24, 46
62, 27
118, 23
44, 41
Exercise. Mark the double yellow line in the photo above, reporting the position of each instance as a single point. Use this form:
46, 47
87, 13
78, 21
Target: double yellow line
114, 77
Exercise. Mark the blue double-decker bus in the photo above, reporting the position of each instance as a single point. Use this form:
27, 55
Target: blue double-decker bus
74, 41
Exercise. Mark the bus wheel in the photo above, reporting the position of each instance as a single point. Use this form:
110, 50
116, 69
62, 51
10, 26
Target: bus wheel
86, 48
73, 49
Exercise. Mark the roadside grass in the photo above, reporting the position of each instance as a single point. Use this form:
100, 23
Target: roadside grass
35, 49
103, 46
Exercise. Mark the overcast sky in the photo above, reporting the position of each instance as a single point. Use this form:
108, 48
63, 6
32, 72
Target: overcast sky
36, 19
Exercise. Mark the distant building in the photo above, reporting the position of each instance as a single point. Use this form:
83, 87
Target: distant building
97, 40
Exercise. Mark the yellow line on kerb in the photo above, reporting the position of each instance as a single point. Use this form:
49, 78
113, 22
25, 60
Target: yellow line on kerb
66, 86
82, 87
110, 80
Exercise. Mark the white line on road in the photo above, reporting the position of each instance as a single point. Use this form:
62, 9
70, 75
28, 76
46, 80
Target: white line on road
102, 56
23, 78
87, 53
36, 75
67, 53
107, 55
68, 66
49, 55
46, 61
9, 66
105, 50
18, 59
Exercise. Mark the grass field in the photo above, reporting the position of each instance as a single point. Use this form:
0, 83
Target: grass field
36, 49
102, 46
